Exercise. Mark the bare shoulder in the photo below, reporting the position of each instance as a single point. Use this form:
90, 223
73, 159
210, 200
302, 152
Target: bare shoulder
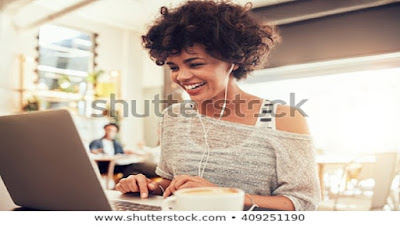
291, 120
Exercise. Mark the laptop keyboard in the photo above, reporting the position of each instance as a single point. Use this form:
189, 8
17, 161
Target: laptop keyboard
131, 206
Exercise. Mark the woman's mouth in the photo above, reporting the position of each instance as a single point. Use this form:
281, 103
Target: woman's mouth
193, 88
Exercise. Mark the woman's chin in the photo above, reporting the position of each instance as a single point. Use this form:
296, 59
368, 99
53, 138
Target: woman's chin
197, 96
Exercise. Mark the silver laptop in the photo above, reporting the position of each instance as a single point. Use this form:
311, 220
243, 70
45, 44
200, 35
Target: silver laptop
45, 166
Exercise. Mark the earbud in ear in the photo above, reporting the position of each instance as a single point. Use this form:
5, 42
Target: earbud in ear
231, 69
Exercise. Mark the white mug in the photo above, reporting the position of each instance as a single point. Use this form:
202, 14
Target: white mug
205, 199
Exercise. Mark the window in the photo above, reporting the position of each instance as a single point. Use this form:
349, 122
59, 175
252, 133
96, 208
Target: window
66, 57
351, 113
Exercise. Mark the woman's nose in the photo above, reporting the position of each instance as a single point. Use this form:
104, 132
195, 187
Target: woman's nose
184, 75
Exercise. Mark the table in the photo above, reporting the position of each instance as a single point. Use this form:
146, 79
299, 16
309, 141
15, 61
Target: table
7, 204
115, 160
339, 160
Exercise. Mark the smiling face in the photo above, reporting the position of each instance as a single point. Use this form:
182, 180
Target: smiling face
202, 76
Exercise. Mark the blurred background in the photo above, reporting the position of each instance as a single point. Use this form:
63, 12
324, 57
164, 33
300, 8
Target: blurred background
340, 58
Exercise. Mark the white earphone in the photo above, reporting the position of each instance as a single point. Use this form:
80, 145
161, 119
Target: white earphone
205, 131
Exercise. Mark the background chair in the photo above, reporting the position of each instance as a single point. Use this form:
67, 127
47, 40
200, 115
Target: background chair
381, 187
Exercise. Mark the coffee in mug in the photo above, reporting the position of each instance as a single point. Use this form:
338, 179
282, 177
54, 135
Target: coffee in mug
206, 199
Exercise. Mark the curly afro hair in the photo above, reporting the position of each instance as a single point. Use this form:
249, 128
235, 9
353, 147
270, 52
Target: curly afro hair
228, 31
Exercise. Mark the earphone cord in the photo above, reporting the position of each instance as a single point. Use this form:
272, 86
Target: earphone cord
207, 147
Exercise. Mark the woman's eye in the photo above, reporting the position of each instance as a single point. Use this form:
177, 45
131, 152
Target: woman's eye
194, 65
173, 68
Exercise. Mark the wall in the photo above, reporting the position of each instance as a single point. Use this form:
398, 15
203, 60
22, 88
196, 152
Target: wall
153, 84
360, 33
9, 65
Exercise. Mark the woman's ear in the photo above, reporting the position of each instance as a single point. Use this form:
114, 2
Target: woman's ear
235, 67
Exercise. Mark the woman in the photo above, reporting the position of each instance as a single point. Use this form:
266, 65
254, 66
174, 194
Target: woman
230, 138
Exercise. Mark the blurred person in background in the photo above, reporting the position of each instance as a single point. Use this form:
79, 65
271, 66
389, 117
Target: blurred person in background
109, 146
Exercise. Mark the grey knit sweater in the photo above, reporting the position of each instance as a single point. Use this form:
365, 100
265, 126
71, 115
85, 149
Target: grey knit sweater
255, 159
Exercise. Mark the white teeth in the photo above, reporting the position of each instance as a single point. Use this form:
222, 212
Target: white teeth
194, 86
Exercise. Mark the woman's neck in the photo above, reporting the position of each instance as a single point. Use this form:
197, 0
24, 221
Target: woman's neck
235, 97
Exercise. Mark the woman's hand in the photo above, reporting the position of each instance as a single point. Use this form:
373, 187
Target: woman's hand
137, 183
186, 181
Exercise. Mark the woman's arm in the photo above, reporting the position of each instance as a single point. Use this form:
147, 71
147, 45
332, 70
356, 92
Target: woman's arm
270, 202
295, 159
186, 181
164, 183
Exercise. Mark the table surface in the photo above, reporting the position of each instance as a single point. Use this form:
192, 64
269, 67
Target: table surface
119, 159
